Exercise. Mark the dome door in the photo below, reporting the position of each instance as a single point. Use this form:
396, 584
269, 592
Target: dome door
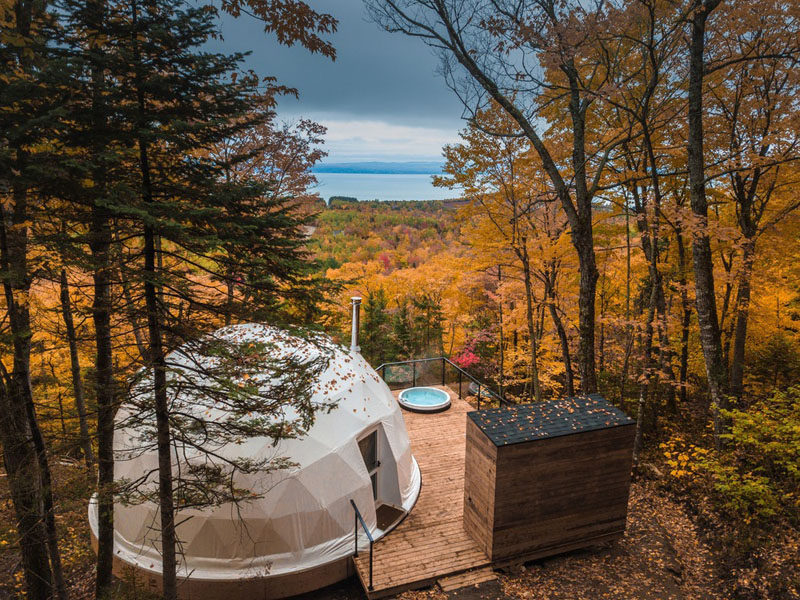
369, 452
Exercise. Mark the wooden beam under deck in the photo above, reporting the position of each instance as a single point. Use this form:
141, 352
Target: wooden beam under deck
431, 542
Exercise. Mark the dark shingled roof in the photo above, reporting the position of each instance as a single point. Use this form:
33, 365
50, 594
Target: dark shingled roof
540, 420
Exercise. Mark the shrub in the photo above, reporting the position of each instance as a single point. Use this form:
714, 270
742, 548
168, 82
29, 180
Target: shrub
748, 494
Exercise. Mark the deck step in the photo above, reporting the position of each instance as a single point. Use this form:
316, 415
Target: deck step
467, 579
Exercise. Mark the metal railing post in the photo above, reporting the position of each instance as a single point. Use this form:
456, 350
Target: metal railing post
459, 384
360, 519
479, 396
413, 374
370, 565
443, 371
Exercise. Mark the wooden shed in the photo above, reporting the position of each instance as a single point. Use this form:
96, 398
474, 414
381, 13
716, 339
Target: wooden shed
547, 477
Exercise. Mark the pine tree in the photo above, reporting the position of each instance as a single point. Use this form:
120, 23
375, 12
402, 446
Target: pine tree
29, 111
376, 344
428, 323
402, 331
193, 228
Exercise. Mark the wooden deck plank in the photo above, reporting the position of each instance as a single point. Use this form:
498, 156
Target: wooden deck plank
431, 542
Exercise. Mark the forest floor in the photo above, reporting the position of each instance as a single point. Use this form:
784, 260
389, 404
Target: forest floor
661, 557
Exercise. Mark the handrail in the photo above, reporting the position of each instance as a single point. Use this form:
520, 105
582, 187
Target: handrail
482, 387
359, 518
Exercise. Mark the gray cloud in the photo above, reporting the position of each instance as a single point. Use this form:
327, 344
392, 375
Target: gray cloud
377, 76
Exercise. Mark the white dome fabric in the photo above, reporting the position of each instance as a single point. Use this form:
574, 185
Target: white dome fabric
303, 518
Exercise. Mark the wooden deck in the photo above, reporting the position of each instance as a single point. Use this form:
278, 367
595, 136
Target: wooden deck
431, 542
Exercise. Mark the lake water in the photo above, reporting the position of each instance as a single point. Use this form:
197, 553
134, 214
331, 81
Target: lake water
381, 186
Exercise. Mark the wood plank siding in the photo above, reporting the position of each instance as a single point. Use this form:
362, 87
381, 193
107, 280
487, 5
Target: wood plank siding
545, 493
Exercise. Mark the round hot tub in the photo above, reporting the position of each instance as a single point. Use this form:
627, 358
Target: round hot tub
424, 399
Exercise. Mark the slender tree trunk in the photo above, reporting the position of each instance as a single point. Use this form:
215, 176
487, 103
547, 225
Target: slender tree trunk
742, 315
727, 328
61, 417
130, 310
647, 385
20, 455
686, 319
75, 367
602, 341
100, 245
526, 271
562, 338
705, 298
569, 383
47, 502
17, 286
623, 380
24, 451
501, 380
157, 356
230, 298
158, 363
100, 232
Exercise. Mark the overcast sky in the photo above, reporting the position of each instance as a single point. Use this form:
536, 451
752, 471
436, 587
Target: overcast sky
381, 99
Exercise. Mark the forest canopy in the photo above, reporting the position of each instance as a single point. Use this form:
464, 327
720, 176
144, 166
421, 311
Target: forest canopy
629, 225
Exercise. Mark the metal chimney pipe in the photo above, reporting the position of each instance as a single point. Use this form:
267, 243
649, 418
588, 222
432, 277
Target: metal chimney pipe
356, 324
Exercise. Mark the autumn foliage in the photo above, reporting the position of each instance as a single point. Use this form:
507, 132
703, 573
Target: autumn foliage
628, 222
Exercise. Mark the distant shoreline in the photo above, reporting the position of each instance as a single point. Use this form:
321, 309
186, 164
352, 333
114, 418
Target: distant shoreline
381, 186
381, 168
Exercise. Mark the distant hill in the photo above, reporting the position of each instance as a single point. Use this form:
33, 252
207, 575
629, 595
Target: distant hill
376, 167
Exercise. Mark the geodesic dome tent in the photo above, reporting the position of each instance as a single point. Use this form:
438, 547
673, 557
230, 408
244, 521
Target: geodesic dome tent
302, 517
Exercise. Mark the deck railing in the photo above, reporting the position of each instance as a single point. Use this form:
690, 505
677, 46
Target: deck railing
360, 520
439, 370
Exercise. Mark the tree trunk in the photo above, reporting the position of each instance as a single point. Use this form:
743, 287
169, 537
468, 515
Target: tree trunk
579, 212
24, 451
158, 363
130, 310
47, 502
100, 245
623, 379
19, 460
705, 298
686, 319
526, 271
501, 379
17, 286
156, 354
602, 341
100, 233
229, 301
586, 301
75, 367
742, 315
569, 383
19, 449
648, 364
